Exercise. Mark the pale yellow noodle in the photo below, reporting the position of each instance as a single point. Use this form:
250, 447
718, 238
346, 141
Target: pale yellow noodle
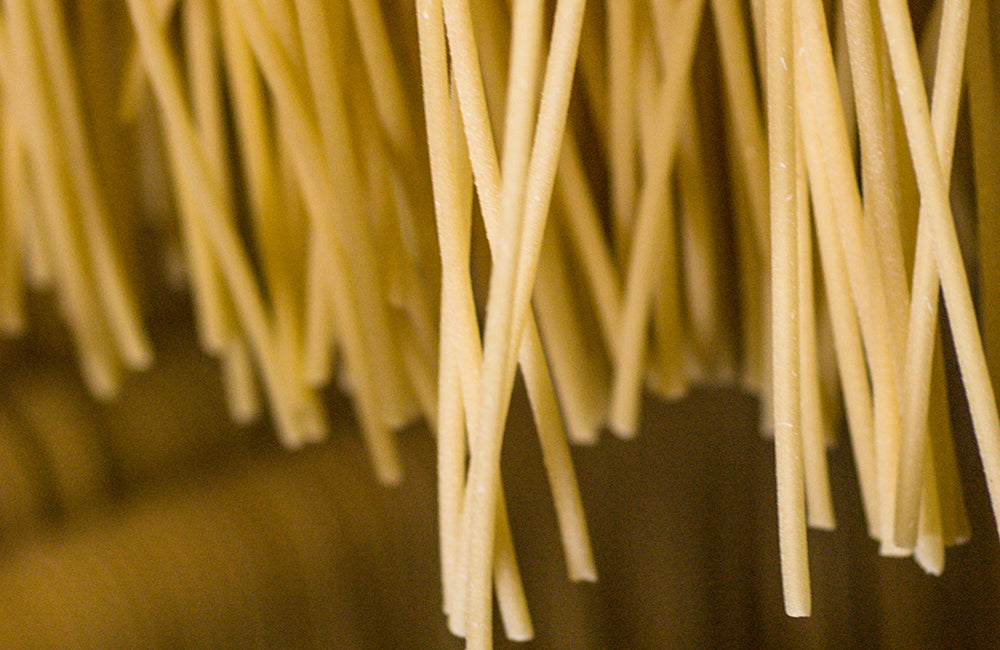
583, 229
305, 151
665, 367
458, 318
580, 376
923, 314
743, 113
788, 451
819, 505
133, 82
621, 64
238, 382
863, 272
35, 115
409, 313
119, 306
12, 315
701, 227
847, 338
981, 76
747, 157
201, 50
292, 415
509, 304
882, 209
650, 226
318, 334
351, 214
487, 175
386, 85
212, 321
277, 233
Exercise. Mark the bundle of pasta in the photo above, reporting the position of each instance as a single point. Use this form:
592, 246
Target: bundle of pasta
358, 186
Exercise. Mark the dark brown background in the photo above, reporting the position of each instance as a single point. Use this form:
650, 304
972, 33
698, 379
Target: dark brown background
159, 524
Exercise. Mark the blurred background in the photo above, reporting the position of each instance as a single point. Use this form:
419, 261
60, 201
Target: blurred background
154, 522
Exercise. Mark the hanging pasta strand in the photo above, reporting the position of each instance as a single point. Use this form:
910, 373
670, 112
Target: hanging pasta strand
981, 72
662, 371
649, 228
202, 51
866, 285
847, 338
819, 505
747, 150
292, 415
923, 318
780, 93
12, 316
37, 118
510, 293
539, 386
274, 237
621, 18
461, 346
961, 315
711, 340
